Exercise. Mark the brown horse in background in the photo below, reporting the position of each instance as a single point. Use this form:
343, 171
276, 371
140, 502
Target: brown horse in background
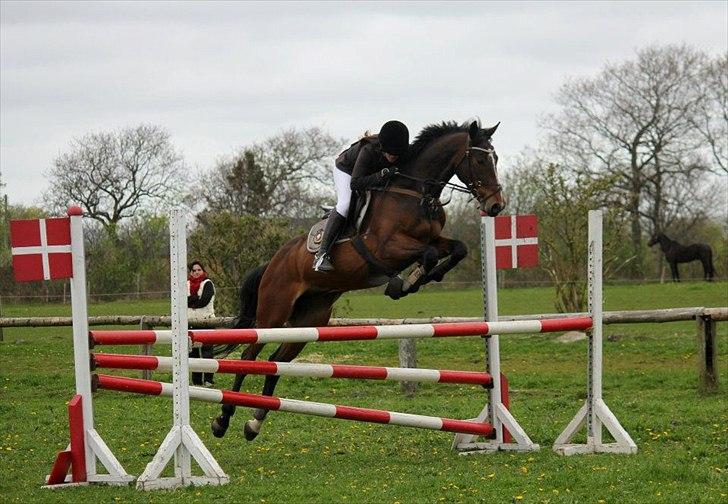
403, 226
677, 253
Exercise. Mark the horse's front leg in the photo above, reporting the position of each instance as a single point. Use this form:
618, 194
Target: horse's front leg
452, 251
399, 287
675, 272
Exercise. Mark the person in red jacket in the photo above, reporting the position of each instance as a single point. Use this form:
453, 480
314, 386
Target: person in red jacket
366, 164
200, 305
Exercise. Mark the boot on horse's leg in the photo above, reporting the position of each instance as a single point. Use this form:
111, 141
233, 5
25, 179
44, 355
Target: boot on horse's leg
220, 424
334, 224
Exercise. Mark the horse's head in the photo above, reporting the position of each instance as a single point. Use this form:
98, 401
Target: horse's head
654, 239
478, 170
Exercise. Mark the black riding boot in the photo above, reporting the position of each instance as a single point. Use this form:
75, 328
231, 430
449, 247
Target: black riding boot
322, 261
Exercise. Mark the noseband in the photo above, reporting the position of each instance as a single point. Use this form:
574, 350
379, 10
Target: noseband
475, 184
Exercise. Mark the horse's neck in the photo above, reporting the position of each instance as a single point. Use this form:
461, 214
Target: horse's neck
666, 243
436, 162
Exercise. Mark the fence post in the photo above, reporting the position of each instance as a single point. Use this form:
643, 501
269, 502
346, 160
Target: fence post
707, 354
408, 359
146, 349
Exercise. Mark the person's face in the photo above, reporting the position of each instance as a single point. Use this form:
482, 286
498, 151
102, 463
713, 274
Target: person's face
390, 157
196, 271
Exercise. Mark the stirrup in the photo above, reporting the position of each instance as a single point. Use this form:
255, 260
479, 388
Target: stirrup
322, 263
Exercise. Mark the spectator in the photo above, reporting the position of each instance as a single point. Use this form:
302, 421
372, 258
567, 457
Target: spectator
200, 305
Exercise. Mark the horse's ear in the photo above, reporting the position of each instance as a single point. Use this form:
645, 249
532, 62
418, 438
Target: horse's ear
473, 131
490, 131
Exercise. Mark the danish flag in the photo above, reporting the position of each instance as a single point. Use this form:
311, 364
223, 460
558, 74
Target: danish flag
516, 241
41, 249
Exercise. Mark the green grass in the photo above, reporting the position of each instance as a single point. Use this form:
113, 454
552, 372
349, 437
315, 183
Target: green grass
650, 383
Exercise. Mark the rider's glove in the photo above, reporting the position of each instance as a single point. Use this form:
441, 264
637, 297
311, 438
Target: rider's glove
387, 173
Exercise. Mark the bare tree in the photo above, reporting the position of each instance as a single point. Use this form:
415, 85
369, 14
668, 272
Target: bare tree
281, 176
711, 115
114, 174
635, 121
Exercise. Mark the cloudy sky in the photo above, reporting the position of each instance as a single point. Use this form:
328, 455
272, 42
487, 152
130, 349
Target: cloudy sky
221, 75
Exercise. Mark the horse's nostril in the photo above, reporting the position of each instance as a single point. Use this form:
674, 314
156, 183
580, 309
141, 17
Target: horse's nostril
495, 210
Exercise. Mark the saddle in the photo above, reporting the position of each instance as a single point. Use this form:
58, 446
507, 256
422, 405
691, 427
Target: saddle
354, 221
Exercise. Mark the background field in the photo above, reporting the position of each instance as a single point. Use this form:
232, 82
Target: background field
650, 384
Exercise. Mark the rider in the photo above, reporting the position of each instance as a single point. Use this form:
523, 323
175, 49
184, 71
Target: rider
365, 164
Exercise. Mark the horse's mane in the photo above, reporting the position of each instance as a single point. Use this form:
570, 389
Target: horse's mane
433, 132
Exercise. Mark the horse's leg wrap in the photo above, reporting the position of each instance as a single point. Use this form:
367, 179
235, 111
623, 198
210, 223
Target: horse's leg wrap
458, 252
394, 287
220, 424
252, 427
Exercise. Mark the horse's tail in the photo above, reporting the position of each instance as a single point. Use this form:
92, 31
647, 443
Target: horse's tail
248, 306
249, 298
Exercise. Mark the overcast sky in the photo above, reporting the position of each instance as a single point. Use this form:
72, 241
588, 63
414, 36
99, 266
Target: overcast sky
221, 75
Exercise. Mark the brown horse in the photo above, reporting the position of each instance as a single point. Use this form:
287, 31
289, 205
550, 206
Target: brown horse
403, 226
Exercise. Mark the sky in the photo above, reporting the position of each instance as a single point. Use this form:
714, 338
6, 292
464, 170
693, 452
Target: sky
221, 75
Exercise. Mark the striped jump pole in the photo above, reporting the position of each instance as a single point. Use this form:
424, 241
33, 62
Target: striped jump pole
362, 333
149, 362
149, 387
346, 333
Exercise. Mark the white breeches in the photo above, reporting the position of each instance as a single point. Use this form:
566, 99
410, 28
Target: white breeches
342, 184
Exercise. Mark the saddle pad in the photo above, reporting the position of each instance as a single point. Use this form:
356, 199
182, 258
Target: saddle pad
316, 234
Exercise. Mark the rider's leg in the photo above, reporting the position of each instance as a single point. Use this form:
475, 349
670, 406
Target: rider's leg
335, 222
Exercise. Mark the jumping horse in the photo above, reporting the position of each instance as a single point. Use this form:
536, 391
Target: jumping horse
402, 226
677, 253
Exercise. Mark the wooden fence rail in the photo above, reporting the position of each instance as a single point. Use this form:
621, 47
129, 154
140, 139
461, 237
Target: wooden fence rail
705, 318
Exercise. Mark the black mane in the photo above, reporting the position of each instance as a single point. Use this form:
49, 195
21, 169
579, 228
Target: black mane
433, 132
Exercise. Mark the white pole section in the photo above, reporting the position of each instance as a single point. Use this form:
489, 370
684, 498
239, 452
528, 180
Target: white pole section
490, 312
594, 385
79, 315
180, 350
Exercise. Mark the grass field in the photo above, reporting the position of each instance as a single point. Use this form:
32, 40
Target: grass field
650, 384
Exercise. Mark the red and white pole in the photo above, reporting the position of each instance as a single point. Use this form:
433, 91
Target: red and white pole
294, 406
153, 362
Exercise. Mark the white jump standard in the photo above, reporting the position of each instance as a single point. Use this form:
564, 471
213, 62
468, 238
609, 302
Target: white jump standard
595, 412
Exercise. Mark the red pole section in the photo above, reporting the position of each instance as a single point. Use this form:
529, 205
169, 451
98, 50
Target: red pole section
136, 337
78, 439
295, 406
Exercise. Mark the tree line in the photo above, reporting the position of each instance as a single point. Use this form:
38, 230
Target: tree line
644, 139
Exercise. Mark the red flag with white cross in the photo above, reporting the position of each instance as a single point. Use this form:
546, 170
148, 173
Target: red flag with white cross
41, 249
516, 241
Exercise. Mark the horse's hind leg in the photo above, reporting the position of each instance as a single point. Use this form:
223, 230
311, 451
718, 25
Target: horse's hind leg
220, 425
285, 353
707, 267
310, 311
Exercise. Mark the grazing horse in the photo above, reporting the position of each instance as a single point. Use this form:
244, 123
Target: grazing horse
402, 226
676, 253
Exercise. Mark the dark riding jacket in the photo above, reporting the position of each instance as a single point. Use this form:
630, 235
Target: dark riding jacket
363, 160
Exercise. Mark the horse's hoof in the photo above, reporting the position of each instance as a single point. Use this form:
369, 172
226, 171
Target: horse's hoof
249, 431
219, 426
394, 288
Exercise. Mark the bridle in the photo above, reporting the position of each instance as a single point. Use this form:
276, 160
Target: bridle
475, 183
469, 188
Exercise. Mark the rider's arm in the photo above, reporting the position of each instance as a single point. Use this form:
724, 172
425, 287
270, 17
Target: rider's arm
366, 162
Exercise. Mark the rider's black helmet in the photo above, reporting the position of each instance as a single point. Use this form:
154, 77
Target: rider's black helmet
394, 138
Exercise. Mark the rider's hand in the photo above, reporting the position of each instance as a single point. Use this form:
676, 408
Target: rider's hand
387, 173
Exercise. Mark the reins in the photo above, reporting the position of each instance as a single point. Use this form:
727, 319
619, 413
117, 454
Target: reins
442, 184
